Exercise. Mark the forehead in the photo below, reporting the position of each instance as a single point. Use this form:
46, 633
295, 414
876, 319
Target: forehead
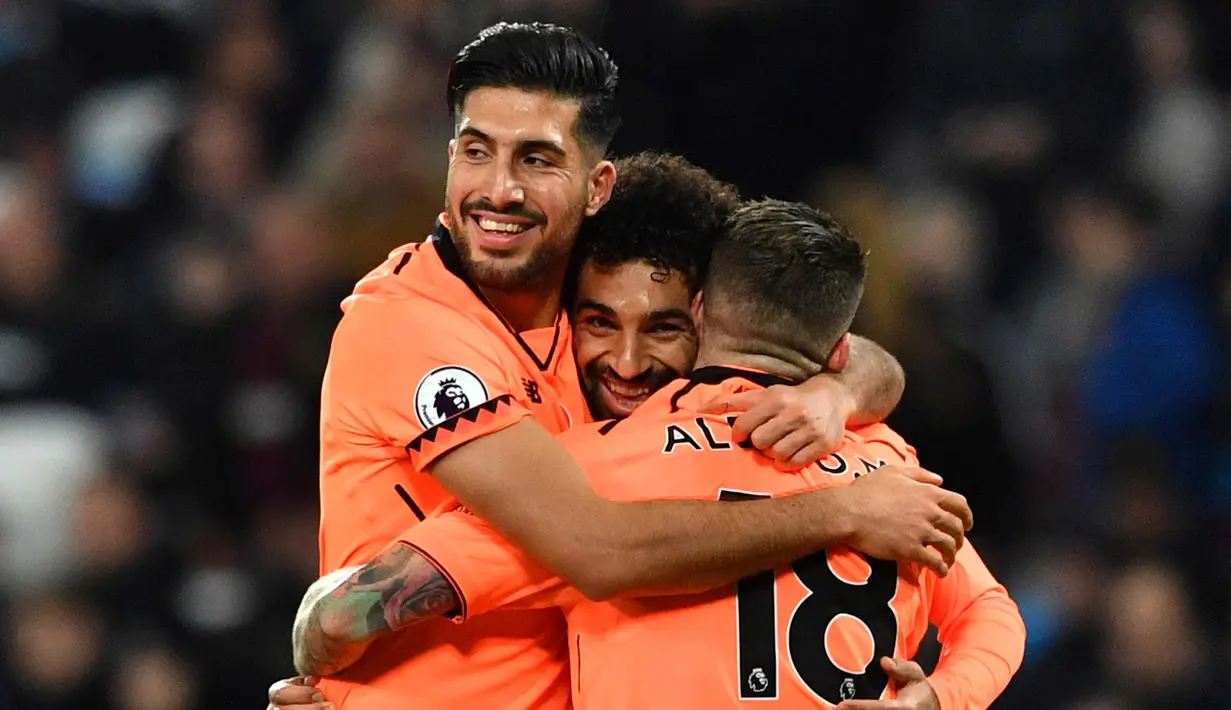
634, 289
510, 115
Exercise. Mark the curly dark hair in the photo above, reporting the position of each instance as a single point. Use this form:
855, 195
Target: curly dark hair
664, 210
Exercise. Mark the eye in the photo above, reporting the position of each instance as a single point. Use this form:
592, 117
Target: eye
537, 161
474, 152
665, 329
600, 323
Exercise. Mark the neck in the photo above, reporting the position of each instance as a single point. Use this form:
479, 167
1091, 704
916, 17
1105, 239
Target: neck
783, 362
525, 309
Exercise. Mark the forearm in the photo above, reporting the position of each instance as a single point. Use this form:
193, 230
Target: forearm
344, 611
532, 492
678, 546
980, 652
875, 380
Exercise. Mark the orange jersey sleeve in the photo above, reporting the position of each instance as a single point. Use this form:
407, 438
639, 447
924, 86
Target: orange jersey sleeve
392, 401
487, 571
415, 371
982, 635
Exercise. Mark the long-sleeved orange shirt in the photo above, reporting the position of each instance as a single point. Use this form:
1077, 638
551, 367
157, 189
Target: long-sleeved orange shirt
421, 365
806, 636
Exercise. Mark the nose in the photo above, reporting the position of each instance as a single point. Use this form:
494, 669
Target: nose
506, 186
630, 358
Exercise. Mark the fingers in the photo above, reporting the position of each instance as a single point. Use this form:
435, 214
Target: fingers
869, 705
294, 692
902, 671
814, 451
956, 503
751, 421
750, 424
738, 402
785, 449
945, 545
931, 559
952, 526
921, 475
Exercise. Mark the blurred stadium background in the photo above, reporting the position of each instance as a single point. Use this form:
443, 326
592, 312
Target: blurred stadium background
189, 187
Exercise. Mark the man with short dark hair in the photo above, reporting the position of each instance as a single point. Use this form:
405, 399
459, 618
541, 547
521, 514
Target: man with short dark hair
474, 315
842, 617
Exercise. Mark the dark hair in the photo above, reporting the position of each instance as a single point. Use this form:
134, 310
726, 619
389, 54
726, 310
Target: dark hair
789, 275
663, 210
541, 57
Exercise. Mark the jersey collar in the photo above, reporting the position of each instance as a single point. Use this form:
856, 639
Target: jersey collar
717, 374
452, 260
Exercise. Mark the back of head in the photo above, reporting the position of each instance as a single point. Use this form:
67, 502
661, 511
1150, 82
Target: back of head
785, 277
546, 58
663, 210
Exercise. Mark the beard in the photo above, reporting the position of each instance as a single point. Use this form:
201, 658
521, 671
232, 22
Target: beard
594, 373
542, 268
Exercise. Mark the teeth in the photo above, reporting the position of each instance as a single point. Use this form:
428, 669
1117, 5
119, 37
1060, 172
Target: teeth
627, 392
492, 225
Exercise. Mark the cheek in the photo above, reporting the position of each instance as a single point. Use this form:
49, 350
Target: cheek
679, 354
588, 349
560, 203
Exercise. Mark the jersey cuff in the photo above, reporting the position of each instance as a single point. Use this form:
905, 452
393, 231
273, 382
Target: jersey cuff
487, 418
463, 608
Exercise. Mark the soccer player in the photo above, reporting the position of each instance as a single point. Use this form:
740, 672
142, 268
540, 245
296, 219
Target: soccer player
818, 630
452, 368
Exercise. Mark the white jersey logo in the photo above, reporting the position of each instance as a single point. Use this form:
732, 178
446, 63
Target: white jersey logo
446, 392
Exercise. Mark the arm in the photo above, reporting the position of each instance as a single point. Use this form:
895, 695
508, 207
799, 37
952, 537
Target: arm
385, 384
982, 636
874, 379
528, 487
796, 425
344, 611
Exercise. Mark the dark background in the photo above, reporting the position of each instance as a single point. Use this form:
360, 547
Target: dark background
188, 188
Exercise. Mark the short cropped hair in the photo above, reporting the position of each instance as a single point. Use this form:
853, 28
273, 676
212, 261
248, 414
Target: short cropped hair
663, 210
541, 57
786, 275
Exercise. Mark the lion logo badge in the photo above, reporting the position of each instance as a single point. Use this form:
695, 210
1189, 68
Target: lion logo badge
447, 392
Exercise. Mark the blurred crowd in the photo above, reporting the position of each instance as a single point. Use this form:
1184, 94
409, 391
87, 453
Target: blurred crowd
189, 187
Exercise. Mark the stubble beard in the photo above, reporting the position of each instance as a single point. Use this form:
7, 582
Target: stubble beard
541, 270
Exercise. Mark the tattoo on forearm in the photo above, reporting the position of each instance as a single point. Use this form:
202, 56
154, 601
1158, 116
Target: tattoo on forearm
407, 588
396, 589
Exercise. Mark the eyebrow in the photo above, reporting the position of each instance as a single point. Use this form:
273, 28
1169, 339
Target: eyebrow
670, 314
586, 303
661, 314
527, 146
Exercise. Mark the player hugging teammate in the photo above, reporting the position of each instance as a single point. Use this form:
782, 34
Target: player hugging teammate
454, 366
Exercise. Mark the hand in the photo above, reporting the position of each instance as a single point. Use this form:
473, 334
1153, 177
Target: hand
795, 425
914, 692
298, 693
901, 513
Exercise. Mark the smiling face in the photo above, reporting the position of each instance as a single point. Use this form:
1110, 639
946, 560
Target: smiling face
633, 334
519, 185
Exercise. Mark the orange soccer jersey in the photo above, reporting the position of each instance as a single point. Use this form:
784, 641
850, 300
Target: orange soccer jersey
421, 364
806, 636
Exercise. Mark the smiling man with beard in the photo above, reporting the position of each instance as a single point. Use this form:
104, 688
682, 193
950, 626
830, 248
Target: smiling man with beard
639, 266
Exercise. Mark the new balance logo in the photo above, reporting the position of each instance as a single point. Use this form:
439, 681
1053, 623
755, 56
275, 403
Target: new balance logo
532, 391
